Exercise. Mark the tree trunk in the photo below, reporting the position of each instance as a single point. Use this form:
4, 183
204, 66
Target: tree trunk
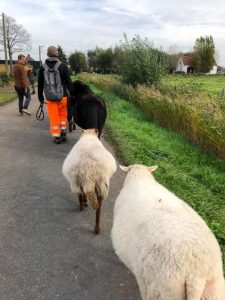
11, 64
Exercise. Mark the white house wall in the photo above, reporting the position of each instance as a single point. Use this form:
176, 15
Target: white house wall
181, 67
214, 70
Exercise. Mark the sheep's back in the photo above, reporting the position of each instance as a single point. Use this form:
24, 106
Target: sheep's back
161, 237
89, 161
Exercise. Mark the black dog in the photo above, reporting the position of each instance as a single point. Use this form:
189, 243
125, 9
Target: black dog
85, 108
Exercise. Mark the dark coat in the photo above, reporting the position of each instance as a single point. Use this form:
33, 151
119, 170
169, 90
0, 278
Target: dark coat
64, 75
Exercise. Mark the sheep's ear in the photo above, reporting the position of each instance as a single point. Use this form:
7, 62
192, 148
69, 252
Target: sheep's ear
125, 169
152, 168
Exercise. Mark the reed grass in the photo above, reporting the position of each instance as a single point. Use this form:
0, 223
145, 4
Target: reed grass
195, 114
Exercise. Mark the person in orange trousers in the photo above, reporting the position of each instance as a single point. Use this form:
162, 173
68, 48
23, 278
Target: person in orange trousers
57, 112
57, 109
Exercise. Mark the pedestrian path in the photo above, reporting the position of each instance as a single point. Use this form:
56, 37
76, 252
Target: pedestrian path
47, 247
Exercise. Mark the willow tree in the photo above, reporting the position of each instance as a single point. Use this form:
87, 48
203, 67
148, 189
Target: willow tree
203, 55
141, 63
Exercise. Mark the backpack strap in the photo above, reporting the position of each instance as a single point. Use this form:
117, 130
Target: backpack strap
56, 66
45, 67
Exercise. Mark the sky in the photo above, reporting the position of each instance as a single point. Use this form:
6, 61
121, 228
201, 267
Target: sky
83, 25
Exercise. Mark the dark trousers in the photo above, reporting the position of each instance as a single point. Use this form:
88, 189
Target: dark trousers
21, 94
32, 84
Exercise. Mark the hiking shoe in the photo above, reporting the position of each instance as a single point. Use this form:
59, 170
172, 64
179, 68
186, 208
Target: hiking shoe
63, 135
57, 140
20, 114
26, 111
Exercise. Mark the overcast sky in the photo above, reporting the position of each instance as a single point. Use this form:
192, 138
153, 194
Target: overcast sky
83, 25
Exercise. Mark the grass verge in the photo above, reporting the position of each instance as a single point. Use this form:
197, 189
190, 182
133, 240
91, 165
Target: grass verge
7, 95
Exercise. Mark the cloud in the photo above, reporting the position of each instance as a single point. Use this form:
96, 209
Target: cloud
83, 25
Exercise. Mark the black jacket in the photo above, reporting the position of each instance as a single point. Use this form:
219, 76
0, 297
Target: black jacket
65, 79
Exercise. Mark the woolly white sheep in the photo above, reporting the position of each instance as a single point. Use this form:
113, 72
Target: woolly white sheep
164, 242
88, 168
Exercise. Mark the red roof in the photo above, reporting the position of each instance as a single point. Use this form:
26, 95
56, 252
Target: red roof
187, 60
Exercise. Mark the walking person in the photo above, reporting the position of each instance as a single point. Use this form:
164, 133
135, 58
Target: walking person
54, 80
22, 85
31, 74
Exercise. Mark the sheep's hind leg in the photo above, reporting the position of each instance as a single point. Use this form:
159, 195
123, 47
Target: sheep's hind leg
81, 200
85, 201
97, 220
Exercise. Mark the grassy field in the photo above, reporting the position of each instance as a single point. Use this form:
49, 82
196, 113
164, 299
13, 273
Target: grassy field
197, 178
7, 94
212, 84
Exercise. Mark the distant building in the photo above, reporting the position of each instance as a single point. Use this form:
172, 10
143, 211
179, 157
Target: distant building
184, 64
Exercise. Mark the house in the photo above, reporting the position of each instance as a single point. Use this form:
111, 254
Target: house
184, 64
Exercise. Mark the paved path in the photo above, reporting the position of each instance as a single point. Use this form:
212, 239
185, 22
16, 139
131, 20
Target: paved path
47, 248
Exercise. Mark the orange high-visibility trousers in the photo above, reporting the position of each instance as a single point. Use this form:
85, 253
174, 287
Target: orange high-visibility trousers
57, 112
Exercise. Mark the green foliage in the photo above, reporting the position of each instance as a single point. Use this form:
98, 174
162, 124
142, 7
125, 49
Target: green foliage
203, 55
4, 80
78, 61
62, 55
101, 60
92, 59
141, 63
105, 60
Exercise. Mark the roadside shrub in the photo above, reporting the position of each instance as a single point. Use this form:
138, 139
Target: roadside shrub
180, 72
4, 79
141, 63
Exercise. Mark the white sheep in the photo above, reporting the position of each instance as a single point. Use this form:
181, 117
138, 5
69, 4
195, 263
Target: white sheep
88, 168
164, 242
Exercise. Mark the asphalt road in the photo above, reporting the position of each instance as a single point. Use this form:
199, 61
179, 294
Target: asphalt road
47, 246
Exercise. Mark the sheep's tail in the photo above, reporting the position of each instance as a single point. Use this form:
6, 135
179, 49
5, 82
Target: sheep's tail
92, 198
95, 192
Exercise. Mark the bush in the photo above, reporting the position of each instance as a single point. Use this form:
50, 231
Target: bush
141, 63
179, 72
4, 79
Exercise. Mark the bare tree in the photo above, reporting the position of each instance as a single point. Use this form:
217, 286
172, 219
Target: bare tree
174, 55
17, 38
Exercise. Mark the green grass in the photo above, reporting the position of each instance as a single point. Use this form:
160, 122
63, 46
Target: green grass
7, 94
212, 84
197, 178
